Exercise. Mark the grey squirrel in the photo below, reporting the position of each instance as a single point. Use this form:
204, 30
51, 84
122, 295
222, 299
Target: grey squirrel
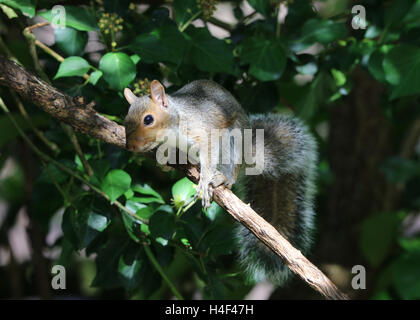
282, 194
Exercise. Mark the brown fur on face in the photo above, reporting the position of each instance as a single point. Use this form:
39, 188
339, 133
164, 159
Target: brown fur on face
142, 137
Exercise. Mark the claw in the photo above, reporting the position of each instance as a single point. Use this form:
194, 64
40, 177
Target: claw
197, 194
210, 191
199, 188
204, 203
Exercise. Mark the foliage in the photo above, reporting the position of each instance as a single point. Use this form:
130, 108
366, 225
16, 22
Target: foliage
135, 216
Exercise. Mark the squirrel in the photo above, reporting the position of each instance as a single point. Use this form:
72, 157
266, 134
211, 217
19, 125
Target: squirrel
282, 193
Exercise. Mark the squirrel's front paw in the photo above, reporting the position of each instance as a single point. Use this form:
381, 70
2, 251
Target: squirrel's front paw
207, 184
206, 190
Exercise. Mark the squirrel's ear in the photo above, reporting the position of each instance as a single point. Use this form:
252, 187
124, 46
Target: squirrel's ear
129, 95
157, 92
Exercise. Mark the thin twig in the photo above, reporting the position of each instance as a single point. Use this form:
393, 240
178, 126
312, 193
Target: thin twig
54, 148
162, 273
68, 130
33, 41
184, 26
221, 24
6, 50
65, 196
63, 168
73, 139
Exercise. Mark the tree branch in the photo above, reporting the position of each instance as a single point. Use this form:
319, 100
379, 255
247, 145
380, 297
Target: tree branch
85, 119
70, 110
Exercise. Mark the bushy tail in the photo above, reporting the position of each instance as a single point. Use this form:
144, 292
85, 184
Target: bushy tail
282, 194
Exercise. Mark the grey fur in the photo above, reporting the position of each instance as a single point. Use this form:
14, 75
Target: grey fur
290, 157
283, 194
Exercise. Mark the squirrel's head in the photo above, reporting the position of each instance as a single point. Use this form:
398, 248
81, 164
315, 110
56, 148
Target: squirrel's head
147, 118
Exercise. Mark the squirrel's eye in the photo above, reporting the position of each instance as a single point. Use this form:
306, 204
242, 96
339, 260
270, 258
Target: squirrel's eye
148, 120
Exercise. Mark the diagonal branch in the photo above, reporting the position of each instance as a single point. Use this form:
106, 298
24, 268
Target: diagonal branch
70, 110
85, 119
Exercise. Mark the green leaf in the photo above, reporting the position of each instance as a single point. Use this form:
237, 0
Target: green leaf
266, 58
79, 18
135, 58
298, 11
9, 12
79, 163
400, 170
116, 183
72, 66
209, 53
134, 205
95, 76
311, 97
214, 211
133, 226
184, 10
129, 267
322, 31
215, 244
193, 228
144, 213
261, 6
129, 194
402, 69
100, 168
25, 6
146, 199
183, 191
139, 208
377, 234
410, 244
146, 189
406, 275
97, 222
118, 69
52, 172
396, 11
162, 225
165, 208
215, 288
308, 68
412, 18
82, 226
339, 77
375, 65
107, 263
71, 41
382, 295
135, 271
372, 32
162, 44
